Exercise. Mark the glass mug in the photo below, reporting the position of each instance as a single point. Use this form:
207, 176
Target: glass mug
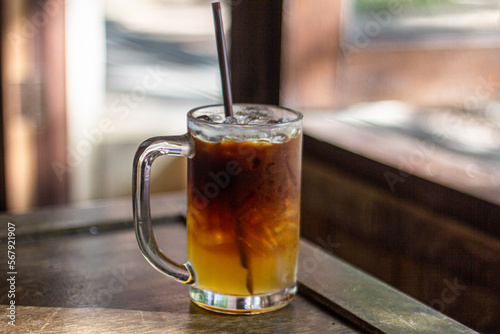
243, 207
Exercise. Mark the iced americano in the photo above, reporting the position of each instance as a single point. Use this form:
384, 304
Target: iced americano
243, 203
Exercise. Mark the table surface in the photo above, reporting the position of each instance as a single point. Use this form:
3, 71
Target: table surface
78, 269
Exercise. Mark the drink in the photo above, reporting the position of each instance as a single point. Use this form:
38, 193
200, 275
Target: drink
243, 215
243, 206
243, 201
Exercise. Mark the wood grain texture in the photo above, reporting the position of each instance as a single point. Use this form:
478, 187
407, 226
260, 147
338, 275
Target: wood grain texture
96, 283
98, 214
92, 278
405, 244
297, 318
368, 302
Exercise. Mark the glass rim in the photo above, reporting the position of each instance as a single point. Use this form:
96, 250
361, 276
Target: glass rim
298, 119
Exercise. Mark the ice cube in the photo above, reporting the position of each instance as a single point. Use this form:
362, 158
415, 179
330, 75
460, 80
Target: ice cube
262, 121
261, 224
215, 118
258, 241
203, 117
210, 230
230, 120
280, 138
248, 116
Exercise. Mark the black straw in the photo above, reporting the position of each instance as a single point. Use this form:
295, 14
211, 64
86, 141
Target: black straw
223, 62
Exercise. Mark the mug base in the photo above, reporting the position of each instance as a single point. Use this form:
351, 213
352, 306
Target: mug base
228, 304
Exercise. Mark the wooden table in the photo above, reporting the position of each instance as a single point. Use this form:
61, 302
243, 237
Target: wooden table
78, 269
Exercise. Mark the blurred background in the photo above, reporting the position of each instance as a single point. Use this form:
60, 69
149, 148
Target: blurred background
402, 118
84, 82
123, 71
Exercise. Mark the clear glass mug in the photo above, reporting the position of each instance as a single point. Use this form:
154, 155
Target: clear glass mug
243, 207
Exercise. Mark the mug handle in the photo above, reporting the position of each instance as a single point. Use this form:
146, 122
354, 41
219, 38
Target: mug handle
147, 152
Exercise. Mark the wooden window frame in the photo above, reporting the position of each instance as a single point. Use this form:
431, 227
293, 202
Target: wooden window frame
3, 190
33, 103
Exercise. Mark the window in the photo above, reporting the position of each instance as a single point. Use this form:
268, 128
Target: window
338, 53
349, 58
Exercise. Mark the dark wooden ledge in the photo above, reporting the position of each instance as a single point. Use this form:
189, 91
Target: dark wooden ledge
415, 226
63, 276
382, 159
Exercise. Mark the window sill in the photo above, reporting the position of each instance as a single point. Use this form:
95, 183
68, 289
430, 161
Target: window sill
422, 170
